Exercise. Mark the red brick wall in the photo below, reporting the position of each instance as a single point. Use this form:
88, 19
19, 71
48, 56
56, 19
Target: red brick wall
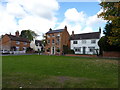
64, 40
7, 44
111, 54
21, 45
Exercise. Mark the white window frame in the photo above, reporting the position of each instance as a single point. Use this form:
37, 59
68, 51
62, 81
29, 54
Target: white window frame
75, 42
83, 41
25, 43
93, 41
17, 48
17, 42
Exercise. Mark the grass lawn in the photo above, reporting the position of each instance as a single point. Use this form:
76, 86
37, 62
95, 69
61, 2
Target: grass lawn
35, 71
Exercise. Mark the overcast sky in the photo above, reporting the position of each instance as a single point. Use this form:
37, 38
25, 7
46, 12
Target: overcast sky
40, 15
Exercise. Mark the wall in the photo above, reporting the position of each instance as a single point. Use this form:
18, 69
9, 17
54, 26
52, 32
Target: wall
5, 43
63, 39
87, 44
111, 54
21, 45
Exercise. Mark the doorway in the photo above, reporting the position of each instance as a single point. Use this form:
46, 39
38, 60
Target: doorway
53, 50
84, 50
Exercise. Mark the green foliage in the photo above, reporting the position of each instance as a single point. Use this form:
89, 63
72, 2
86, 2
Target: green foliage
29, 49
111, 14
67, 50
58, 50
105, 46
29, 34
108, 29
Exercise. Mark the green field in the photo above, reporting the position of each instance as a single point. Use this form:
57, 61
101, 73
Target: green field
35, 71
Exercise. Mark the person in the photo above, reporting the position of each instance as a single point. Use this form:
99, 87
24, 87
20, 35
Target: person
38, 51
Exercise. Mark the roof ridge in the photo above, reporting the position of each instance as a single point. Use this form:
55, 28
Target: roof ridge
87, 33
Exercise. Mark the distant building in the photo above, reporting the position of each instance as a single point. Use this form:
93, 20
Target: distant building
55, 41
85, 43
37, 45
14, 42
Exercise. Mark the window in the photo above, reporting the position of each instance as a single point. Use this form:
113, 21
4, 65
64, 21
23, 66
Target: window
58, 35
93, 41
48, 50
91, 49
48, 41
24, 48
25, 43
48, 36
52, 35
58, 40
77, 49
17, 42
17, 48
75, 42
53, 41
83, 41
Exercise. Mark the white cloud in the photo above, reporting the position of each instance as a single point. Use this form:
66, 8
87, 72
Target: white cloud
74, 16
80, 22
37, 15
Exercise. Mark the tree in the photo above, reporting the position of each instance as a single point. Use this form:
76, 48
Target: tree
29, 34
112, 15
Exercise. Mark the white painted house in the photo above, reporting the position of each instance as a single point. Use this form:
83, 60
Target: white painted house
85, 43
36, 45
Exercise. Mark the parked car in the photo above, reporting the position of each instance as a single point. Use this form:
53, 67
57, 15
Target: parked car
4, 52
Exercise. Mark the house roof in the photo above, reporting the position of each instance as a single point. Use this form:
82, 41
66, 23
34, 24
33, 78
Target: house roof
55, 31
15, 38
38, 41
92, 35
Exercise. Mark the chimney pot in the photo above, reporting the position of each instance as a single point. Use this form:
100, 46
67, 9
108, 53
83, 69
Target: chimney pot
50, 29
100, 29
17, 33
72, 33
65, 27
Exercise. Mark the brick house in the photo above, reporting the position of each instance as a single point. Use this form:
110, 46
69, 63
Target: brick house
14, 42
55, 41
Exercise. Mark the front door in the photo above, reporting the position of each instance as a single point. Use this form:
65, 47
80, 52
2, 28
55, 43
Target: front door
84, 50
53, 50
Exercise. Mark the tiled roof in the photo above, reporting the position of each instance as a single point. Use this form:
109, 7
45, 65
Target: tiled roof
92, 35
55, 31
15, 38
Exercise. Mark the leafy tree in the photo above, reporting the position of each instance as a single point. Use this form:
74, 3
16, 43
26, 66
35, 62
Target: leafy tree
29, 34
108, 28
111, 13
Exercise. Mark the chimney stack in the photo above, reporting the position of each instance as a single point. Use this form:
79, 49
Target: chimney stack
65, 27
17, 33
72, 33
100, 29
50, 29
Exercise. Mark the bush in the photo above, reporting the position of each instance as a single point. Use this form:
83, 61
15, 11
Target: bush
29, 49
105, 46
67, 50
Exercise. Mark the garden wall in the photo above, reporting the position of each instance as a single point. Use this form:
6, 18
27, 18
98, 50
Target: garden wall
111, 54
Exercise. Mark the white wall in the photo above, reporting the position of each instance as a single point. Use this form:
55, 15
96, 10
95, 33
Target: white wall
87, 44
32, 45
